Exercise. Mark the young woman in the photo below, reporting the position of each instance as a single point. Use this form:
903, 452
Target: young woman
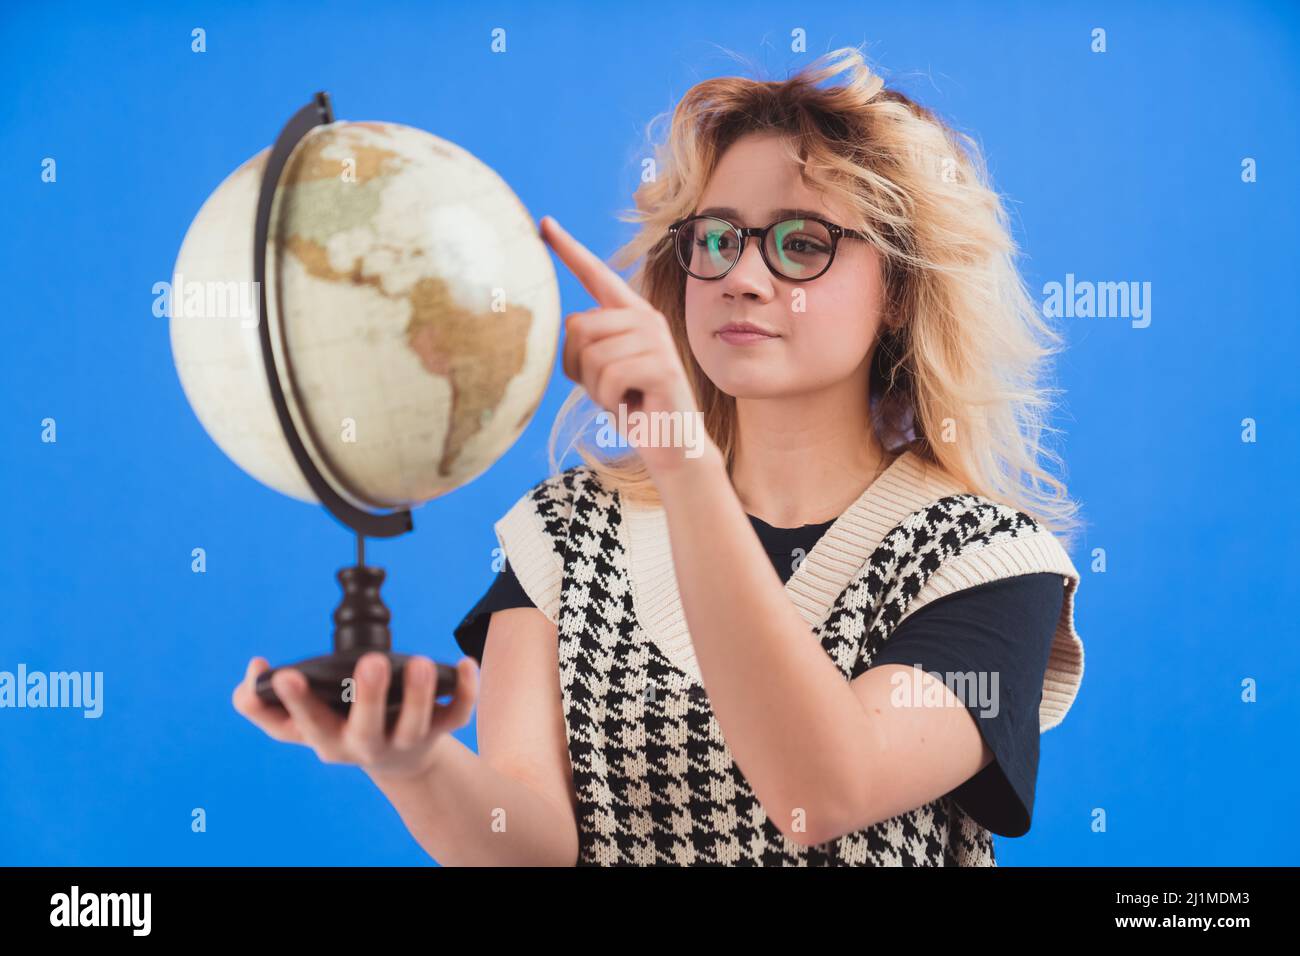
829, 627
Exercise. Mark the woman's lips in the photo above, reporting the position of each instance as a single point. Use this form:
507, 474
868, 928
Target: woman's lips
744, 336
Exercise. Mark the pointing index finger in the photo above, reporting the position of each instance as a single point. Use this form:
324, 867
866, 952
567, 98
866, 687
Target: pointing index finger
605, 285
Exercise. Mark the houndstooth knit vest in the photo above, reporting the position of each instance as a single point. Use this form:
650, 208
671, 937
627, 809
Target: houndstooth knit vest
655, 781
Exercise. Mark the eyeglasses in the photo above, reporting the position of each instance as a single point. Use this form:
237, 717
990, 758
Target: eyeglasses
796, 249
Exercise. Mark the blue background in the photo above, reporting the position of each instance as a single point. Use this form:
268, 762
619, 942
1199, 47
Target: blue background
1123, 166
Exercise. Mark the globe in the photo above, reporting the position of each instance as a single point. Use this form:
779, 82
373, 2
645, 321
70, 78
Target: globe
415, 316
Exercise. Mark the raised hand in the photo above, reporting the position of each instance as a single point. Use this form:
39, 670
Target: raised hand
622, 353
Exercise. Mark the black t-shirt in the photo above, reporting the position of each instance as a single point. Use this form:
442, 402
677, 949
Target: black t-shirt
1004, 627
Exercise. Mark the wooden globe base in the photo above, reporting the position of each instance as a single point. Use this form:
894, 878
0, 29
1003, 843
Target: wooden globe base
360, 627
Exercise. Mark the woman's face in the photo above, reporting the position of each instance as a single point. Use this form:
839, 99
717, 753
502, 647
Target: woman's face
822, 331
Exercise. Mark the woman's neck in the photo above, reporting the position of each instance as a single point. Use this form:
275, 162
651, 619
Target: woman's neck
803, 461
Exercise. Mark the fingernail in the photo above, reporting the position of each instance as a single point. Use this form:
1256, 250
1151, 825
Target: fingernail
371, 668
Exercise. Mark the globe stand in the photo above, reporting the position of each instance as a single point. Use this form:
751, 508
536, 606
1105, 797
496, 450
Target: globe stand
361, 619
360, 626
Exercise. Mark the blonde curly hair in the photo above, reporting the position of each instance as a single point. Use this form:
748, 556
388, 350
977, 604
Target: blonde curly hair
962, 342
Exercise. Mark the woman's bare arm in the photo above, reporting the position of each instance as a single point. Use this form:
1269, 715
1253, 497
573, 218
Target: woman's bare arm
823, 756
512, 803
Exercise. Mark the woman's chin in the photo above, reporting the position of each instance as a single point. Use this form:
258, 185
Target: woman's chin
748, 385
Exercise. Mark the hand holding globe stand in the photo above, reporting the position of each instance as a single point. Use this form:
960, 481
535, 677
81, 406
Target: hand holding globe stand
381, 256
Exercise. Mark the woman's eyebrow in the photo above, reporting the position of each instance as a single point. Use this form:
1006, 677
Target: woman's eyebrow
733, 215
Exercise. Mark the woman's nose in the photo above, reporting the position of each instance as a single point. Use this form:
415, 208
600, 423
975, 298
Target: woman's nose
749, 276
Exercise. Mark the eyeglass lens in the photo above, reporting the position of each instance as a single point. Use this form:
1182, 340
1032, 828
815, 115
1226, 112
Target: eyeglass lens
795, 248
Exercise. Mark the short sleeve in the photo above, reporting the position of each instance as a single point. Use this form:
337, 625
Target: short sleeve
504, 592
1001, 633
531, 536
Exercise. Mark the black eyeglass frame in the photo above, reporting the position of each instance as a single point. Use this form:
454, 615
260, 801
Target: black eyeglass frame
760, 233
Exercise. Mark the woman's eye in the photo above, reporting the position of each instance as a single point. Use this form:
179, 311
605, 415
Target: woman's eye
801, 244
